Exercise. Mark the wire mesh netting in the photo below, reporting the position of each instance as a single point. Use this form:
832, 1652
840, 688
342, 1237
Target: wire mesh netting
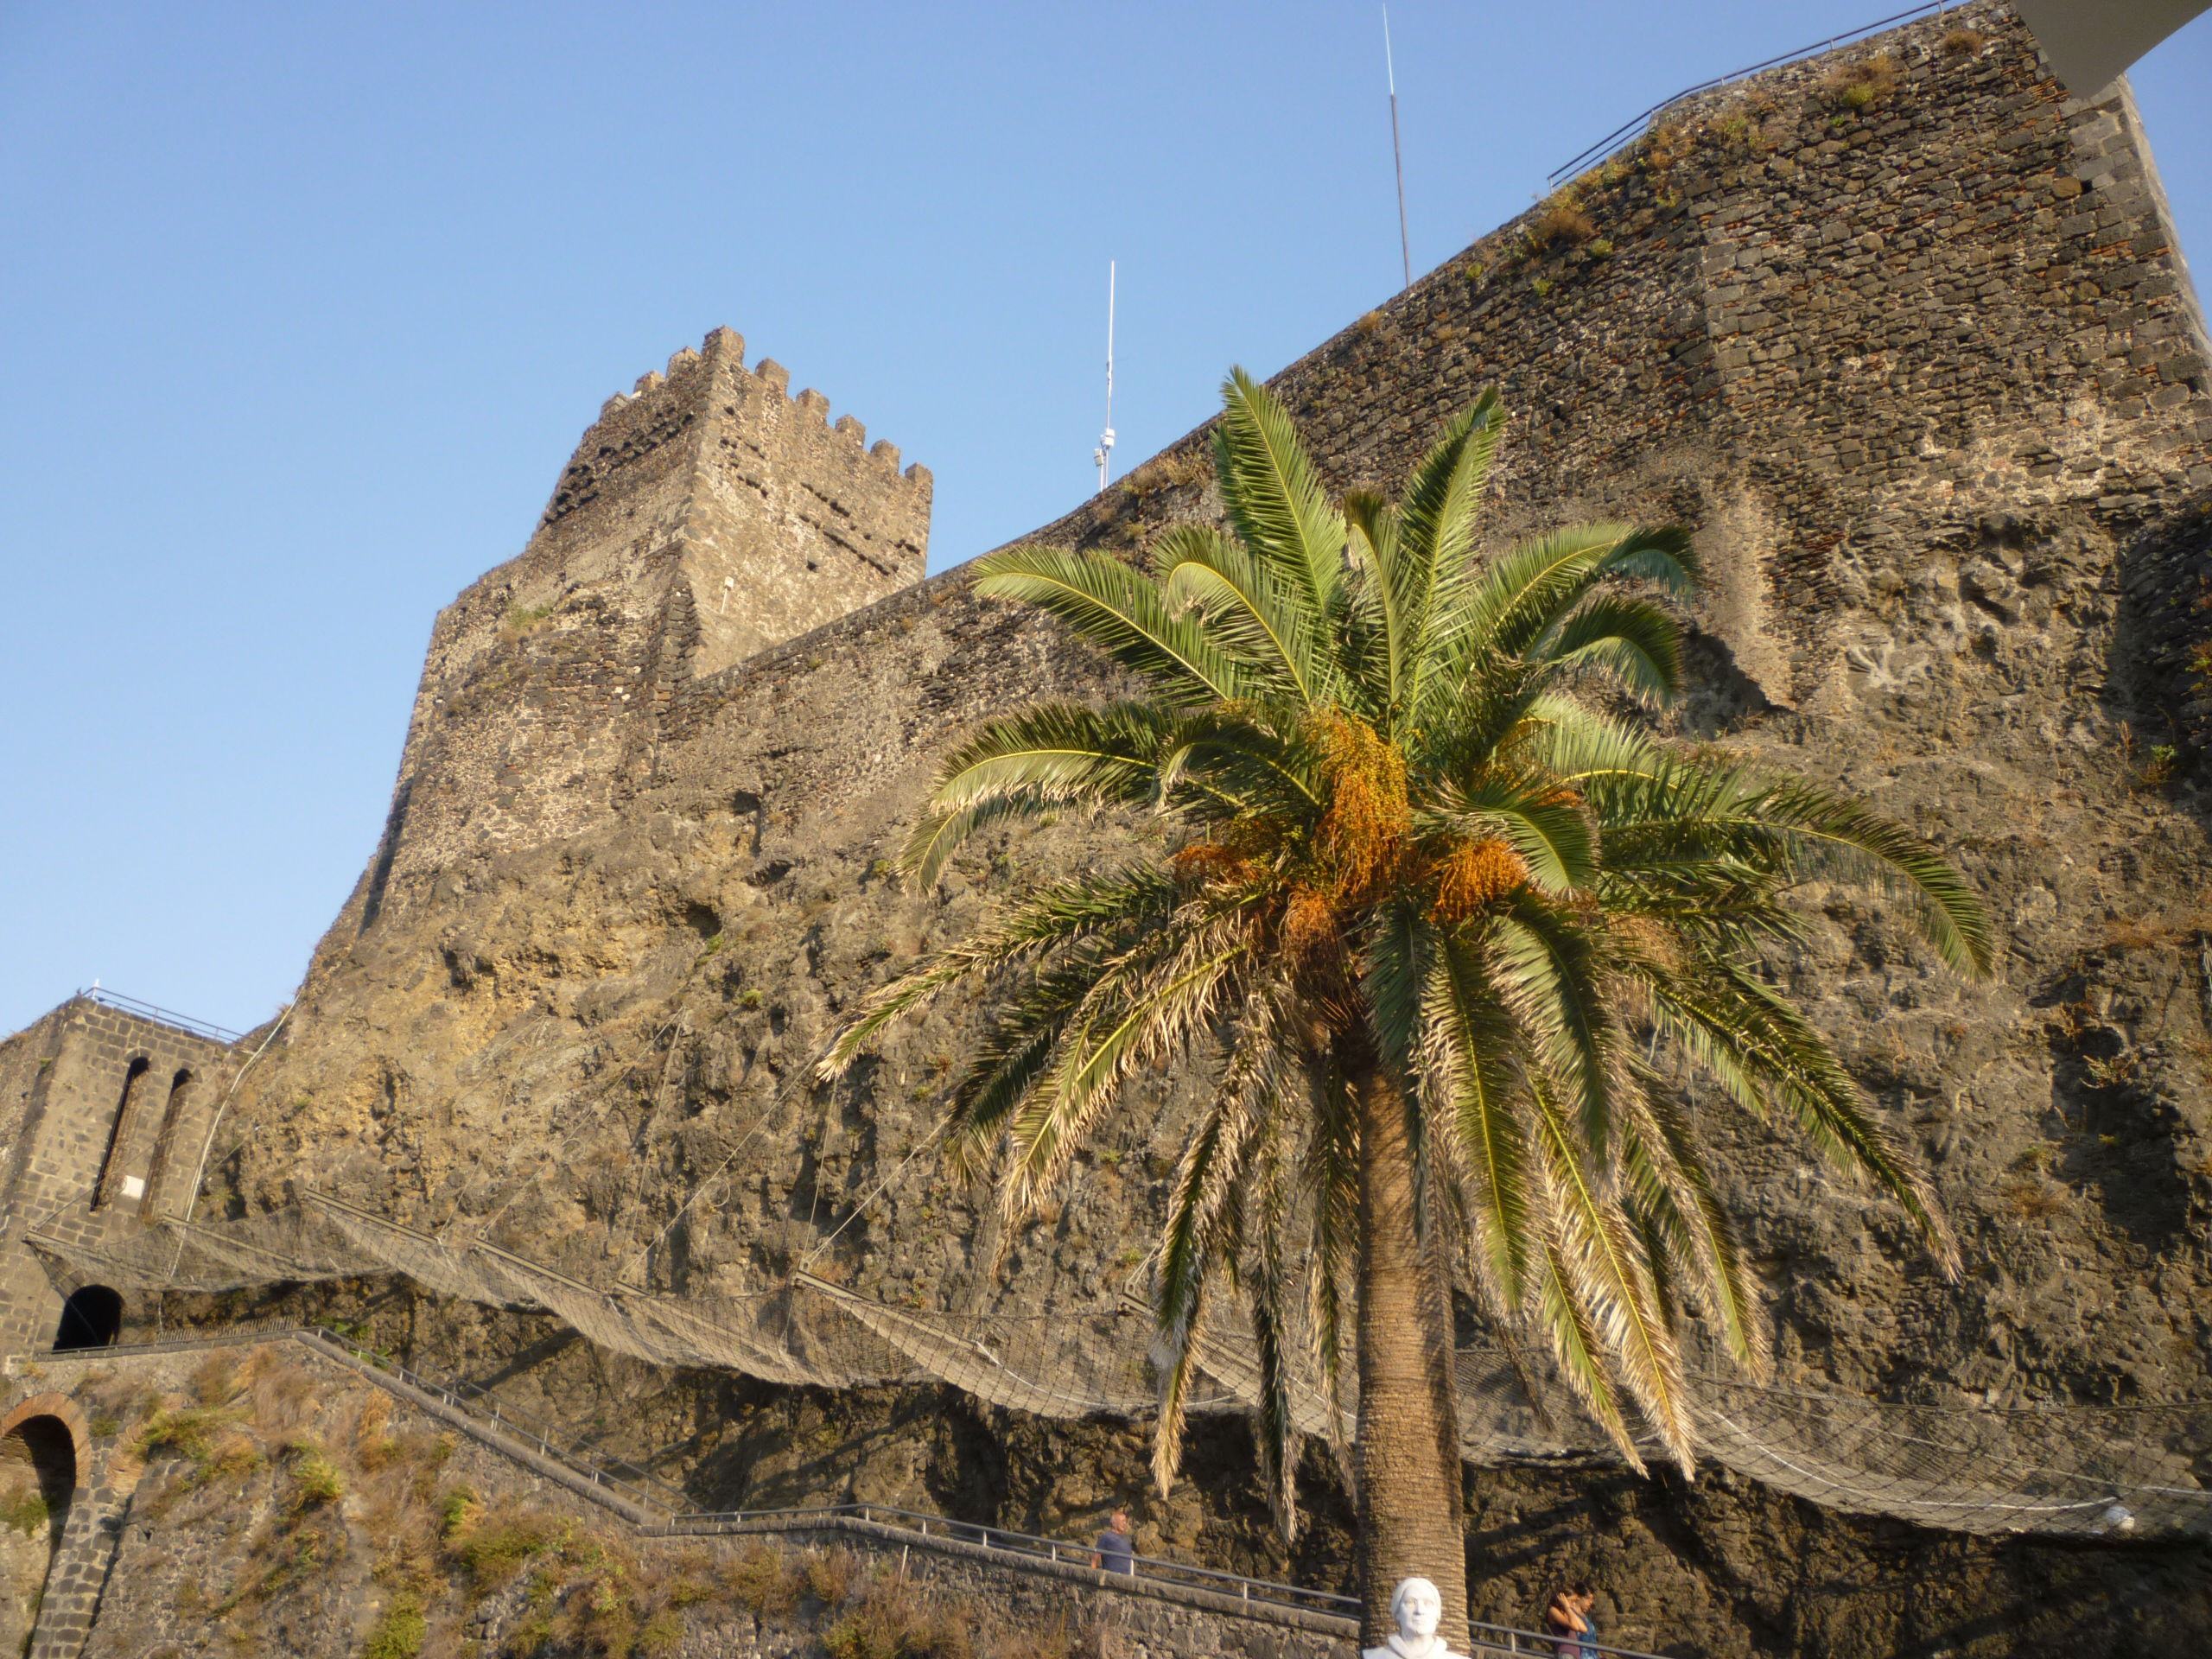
2114, 1472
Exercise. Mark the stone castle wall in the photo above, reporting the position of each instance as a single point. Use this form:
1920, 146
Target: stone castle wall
704, 517
1905, 594
1923, 371
107, 1113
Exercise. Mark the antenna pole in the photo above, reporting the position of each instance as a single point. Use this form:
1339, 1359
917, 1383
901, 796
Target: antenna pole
1397, 156
1103, 454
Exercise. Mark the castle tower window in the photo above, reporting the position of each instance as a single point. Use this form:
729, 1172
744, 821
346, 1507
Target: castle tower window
109, 1181
92, 1317
164, 1144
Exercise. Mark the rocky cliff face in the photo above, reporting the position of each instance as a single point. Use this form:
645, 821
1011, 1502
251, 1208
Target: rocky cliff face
1904, 337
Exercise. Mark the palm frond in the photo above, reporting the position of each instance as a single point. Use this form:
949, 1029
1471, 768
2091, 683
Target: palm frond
1434, 549
1122, 613
1472, 1043
1016, 1049
1215, 1161
1040, 759
1568, 1321
1128, 898
1763, 1051
1546, 969
1542, 821
1844, 836
1581, 745
1330, 1173
1610, 1279
1145, 1015
1273, 496
1274, 1428
1630, 640
1681, 1205
1416, 551
1243, 604
1372, 633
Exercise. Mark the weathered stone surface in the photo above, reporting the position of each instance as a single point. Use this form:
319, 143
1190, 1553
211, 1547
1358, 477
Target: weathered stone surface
1925, 374
267, 1500
703, 518
103, 1114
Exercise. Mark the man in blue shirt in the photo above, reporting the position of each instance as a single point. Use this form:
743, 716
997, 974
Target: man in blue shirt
1115, 1553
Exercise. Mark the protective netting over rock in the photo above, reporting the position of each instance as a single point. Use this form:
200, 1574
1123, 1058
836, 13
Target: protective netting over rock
2133, 1472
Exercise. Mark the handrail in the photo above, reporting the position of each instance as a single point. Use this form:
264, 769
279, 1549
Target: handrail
648, 1491
1058, 1549
617, 1472
166, 1016
466, 1396
1507, 1638
1604, 146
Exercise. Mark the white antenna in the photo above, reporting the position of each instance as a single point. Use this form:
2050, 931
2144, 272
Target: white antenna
1397, 156
1103, 454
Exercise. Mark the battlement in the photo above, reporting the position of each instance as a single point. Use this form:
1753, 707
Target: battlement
707, 514
661, 406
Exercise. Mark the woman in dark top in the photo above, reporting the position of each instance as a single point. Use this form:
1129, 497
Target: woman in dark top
1568, 1617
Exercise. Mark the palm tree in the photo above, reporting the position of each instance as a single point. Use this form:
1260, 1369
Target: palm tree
1438, 901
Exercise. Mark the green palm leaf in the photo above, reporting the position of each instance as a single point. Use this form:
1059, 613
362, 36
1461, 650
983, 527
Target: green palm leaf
1244, 607
1273, 497
1123, 615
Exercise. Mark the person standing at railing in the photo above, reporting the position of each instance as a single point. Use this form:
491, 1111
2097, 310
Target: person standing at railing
1115, 1553
1568, 1619
1587, 1606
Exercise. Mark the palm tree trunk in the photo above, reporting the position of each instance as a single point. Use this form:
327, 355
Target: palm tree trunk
1411, 1514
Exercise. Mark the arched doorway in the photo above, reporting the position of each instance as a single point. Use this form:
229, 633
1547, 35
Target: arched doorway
38, 1477
92, 1317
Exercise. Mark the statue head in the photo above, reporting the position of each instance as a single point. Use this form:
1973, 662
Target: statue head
1416, 1607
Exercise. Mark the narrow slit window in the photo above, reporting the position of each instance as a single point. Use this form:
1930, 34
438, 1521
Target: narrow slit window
164, 1145
109, 1181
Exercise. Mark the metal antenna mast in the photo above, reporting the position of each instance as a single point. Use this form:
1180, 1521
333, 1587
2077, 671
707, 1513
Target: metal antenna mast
1397, 156
1103, 454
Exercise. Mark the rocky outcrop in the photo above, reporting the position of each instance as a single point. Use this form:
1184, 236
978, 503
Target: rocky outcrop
1903, 336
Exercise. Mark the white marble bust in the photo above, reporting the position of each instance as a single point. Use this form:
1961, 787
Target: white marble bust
1416, 1607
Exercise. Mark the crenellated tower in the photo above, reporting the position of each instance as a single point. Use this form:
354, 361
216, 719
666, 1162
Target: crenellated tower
782, 521
707, 515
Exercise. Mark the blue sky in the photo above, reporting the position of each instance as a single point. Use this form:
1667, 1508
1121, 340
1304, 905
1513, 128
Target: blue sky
302, 308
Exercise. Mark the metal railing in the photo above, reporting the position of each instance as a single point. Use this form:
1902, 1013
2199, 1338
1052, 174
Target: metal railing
640, 1485
1505, 1638
208, 1028
1234, 1585
648, 1491
1607, 144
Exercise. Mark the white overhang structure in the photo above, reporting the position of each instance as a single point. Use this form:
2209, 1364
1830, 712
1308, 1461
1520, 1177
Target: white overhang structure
2090, 41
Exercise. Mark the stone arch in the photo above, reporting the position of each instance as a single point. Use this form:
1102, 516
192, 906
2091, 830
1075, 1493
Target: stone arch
165, 1142
91, 1318
65, 1414
45, 1456
108, 1181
